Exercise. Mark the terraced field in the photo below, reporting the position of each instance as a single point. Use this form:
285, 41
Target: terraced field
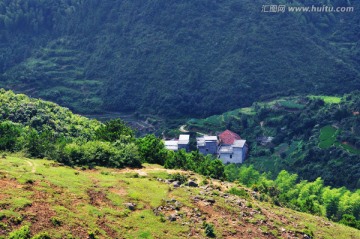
57, 70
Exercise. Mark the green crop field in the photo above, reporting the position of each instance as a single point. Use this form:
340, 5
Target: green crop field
291, 104
327, 137
327, 99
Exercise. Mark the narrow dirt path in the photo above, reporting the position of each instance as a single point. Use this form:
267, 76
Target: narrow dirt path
32, 165
182, 129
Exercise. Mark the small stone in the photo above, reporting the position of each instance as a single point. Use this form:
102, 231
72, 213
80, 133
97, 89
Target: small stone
172, 217
130, 206
178, 204
176, 184
210, 200
192, 184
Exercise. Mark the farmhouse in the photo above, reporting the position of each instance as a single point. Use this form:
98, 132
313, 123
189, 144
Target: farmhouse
228, 146
207, 144
177, 144
183, 142
234, 153
232, 149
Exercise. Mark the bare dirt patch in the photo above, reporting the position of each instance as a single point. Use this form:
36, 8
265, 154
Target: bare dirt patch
39, 214
98, 198
119, 191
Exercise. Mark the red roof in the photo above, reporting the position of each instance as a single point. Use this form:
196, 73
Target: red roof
228, 137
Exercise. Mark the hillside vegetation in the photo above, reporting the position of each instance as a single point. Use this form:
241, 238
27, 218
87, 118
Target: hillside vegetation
42, 199
32, 128
174, 58
313, 136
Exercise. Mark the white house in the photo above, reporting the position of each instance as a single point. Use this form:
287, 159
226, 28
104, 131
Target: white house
207, 144
234, 153
181, 143
171, 145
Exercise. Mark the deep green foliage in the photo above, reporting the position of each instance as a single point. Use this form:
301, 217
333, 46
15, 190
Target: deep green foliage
101, 153
21, 233
181, 178
205, 165
152, 149
209, 230
322, 139
9, 132
43, 129
350, 221
146, 55
113, 130
239, 192
338, 204
43, 235
43, 115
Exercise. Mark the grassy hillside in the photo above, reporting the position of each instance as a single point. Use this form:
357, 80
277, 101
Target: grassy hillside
41, 197
314, 136
174, 58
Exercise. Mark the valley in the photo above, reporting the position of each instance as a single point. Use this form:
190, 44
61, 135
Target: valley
179, 119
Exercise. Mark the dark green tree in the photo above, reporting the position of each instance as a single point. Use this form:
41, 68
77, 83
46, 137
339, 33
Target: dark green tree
9, 132
152, 149
113, 130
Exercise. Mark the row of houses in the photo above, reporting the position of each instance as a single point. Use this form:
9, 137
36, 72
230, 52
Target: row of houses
227, 146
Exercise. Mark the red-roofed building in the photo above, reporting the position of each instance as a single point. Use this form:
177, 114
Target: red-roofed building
228, 137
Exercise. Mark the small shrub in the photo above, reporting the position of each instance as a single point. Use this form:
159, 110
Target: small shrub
309, 233
215, 193
209, 229
29, 181
239, 192
182, 178
204, 182
16, 220
93, 234
42, 235
349, 220
132, 175
21, 233
162, 218
274, 233
3, 226
55, 221
85, 167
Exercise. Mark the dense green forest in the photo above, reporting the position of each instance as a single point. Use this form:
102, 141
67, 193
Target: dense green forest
43, 129
313, 136
174, 58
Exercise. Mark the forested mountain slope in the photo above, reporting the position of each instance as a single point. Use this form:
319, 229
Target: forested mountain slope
172, 58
